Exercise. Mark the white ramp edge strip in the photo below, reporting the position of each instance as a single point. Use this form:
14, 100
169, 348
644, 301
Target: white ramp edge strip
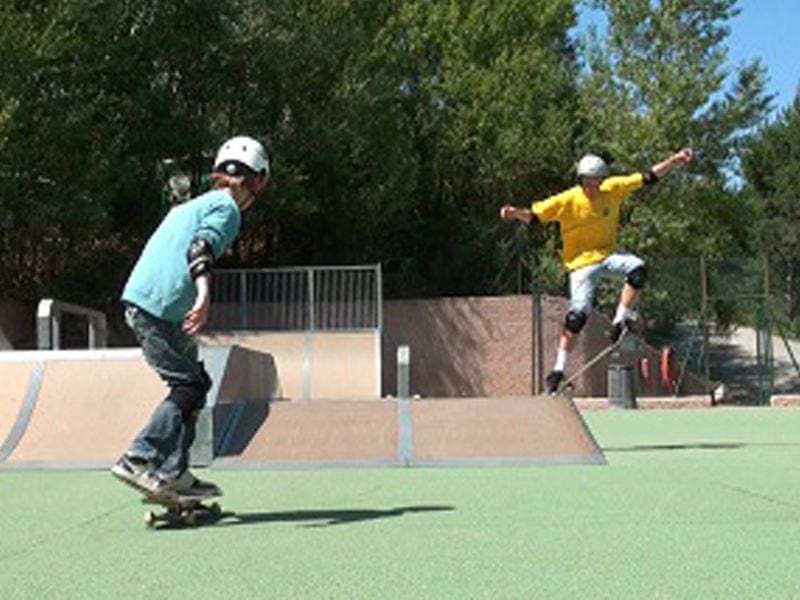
25, 413
17, 356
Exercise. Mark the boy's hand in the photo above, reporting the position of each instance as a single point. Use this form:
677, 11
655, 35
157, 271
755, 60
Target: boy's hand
198, 315
684, 156
511, 213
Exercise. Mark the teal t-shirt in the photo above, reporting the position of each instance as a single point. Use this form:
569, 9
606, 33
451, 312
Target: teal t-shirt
160, 282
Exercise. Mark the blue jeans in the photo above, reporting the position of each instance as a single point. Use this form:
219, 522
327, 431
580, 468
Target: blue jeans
167, 437
583, 282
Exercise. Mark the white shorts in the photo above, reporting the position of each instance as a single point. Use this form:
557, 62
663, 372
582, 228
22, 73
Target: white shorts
583, 282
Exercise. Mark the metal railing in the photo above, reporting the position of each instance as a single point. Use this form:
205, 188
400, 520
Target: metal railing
297, 299
48, 324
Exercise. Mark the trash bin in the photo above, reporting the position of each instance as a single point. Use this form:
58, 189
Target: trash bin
621, 386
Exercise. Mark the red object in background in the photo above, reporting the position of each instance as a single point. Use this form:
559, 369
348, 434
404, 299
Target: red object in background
667, 370
644, 369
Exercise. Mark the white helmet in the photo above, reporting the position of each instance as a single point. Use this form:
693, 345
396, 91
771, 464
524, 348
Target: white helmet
592, 165
244, 150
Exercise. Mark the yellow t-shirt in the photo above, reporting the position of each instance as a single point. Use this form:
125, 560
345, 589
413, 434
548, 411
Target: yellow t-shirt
588, 227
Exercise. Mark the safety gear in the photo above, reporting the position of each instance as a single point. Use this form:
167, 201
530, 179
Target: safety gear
241, 150
200, 257
592, 166
638, 277
575, 321
650, 177
190, 397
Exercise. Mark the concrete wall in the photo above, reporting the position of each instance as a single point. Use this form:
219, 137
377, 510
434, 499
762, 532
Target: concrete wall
485, 347
460, 347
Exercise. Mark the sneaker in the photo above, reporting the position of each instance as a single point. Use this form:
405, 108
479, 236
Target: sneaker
189, 485
135, 472
616, 331
619, 327
553, 380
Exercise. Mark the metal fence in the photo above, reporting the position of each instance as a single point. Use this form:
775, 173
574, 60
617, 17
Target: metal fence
731, 322
734, 322
297, 299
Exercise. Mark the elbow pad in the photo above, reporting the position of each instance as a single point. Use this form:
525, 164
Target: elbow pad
649, 177
200, 257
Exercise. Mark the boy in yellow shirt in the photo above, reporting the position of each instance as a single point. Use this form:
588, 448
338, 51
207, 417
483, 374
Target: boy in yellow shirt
588, 215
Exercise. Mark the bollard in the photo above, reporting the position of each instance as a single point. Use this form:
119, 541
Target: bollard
403, 372
621, 386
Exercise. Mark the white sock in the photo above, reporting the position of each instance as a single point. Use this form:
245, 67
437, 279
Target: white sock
623, 312
561, 360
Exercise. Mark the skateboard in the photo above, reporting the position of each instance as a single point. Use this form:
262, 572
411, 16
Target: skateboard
565, 387
180, 511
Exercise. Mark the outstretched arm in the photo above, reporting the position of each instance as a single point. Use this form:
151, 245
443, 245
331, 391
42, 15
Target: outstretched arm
512, 213
679, 158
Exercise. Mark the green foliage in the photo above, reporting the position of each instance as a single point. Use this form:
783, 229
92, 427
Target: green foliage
100, 92
396, 131
771, 163
401, 128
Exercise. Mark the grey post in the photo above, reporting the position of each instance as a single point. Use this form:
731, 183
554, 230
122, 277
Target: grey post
403, 372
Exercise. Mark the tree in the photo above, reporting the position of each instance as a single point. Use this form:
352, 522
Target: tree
771, 163
400, 128
98, 94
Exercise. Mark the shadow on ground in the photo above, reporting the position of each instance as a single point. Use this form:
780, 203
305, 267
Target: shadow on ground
325, 518
693, 446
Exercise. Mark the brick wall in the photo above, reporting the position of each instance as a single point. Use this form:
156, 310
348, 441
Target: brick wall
484, 346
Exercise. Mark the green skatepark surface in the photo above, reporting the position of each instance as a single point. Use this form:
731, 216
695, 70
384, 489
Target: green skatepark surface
692, 504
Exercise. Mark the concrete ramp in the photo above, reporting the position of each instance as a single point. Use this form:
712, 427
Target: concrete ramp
313, 434
429, 432
82, 408
15, 403
317, 365
87, 411
544, 429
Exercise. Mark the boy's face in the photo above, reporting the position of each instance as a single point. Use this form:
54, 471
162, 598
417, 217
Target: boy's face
591, 185
258, 183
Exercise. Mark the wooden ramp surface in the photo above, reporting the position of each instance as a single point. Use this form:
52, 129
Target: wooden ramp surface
429, 432
83, 408
17, 379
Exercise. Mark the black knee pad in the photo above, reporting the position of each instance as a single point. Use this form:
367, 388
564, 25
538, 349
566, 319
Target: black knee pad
575, 321
206, 379
637, 278
190, 397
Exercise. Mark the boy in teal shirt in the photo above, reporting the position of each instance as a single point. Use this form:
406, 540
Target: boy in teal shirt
166, 300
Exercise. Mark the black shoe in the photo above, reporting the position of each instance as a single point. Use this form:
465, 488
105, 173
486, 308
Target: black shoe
188, 485
553, 380
626, 325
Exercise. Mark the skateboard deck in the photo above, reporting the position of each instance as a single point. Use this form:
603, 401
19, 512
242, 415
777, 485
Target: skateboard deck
565, 387
180, 510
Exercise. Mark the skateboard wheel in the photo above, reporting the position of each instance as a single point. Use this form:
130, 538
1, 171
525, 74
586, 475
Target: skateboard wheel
150, 519
191, 519
215, 509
